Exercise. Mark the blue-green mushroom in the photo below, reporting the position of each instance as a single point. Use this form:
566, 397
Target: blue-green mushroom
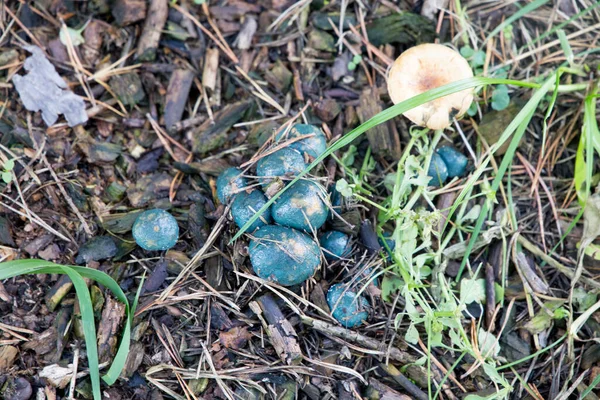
335, 245
437, 171
455, 161
346, 307
284, 162
229, 183
301, 207
314, 145
246, 205
335, 198
155, 230
283, 255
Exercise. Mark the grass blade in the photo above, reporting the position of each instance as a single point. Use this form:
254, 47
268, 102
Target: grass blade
89, 327
10, 269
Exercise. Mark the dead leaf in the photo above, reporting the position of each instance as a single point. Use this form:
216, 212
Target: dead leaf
235, 338
42, 89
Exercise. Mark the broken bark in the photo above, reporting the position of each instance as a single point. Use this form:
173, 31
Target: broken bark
177, 95
280, 330
155, 22
382, 139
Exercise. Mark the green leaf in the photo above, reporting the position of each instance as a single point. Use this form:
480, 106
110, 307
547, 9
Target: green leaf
73, 34
89, 327
390, 286
9, 165
488, 345
478, 58
343, 187
357, 59
472, 290
351, 66
7, 176
412, 334
584, 299
500, 98
467, 52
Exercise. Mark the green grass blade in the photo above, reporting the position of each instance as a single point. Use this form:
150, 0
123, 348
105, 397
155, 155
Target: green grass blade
10, 269
384, 116
89, 327
566, 47
523, 11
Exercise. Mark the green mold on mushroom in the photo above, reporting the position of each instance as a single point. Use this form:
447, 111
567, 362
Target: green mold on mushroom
313, 145
285, 162
455, 161
229, 183
301, 207
335, 245
283, 255
246, 205
346, 307
155, 230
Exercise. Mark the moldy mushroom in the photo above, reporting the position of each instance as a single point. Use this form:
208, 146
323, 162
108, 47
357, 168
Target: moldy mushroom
425, 67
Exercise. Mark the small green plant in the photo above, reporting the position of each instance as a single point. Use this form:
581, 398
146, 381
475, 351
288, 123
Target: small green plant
7, 169
354, 63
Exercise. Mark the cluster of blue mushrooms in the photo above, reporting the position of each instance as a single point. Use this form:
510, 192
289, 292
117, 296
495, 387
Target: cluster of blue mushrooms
447, 162
282, 247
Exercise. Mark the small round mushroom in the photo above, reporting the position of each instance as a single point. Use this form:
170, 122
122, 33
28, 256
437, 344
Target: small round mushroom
301, 207
283, 255
229, 183
155, 230
455, 161
335, 244
425, 67
314, 144
438, 171
246, 205
347, 307
285, 162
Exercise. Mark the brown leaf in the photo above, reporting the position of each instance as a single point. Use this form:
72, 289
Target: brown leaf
235, 338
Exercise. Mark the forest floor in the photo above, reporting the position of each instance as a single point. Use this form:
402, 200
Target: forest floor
490, 292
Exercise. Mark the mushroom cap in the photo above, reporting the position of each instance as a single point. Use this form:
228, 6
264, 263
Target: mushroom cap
425, 67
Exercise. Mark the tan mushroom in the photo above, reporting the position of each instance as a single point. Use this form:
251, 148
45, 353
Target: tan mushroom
425, 67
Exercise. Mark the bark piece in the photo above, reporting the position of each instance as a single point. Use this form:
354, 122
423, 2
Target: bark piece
177, 95
127, 12
134, 359
155, 22
209, 136
378, 390
281, 332
108, 331
8, 354
382, 139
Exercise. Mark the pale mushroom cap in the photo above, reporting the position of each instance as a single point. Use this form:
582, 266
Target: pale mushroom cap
425, 67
